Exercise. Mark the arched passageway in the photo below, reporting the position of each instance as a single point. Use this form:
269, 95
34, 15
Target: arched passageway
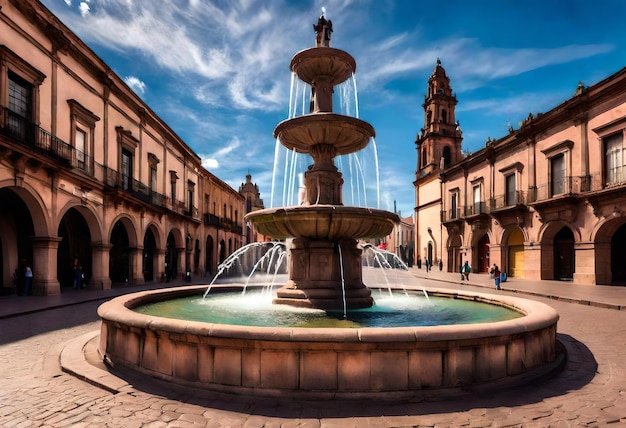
618, 256
564, 255
74, 248
482, 258
208, 255
454, 253
149, 255
16, 248
119, 256
171, 257
515, 244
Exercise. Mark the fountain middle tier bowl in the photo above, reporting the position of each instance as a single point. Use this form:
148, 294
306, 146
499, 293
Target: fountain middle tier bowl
345, 133
323, 222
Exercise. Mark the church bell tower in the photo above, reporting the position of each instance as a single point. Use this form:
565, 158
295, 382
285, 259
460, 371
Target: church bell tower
439, 141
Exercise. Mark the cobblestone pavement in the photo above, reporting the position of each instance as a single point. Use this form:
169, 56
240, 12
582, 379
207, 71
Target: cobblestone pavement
36, 392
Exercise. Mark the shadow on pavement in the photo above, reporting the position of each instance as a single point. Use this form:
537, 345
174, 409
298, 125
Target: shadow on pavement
27, 325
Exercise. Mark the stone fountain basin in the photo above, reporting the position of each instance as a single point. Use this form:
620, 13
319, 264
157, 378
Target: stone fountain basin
323, 222
326, 363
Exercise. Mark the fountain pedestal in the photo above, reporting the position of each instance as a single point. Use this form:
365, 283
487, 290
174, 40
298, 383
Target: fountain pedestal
326, 276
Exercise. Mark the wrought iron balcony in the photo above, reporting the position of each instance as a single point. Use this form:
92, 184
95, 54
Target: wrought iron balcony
477, 208
509, 200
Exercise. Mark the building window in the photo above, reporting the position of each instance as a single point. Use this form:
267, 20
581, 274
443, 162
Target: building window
153, 179
447, 157
614, 159
21, 82
83, 124
153, 163
127, 145
510, 197
80, 138
454, 205
127, 169
424, 158
477, 199
557, 175
190, 196
20, 96
173, 181
207, 204
20, 103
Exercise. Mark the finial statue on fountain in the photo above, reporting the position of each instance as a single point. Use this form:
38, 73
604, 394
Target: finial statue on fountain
323, 28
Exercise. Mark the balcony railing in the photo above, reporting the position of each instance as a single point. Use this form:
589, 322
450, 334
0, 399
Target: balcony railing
564, 186
476, 208
508, 200
450, 215
211, 220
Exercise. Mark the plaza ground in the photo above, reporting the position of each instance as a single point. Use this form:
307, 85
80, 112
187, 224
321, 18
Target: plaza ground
52, 376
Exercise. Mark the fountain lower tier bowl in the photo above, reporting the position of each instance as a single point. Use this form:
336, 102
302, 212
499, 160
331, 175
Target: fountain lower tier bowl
323, 222
333, 363
346, 134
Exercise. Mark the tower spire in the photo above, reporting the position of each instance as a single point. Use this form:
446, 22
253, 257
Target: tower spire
439, 142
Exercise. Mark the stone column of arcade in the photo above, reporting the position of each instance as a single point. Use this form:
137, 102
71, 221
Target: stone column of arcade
100, 256
325, 266
44, 265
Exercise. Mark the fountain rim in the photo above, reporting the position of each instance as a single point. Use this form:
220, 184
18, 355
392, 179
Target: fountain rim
535, 315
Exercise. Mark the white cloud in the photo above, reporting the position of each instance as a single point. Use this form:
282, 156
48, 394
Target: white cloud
83, 7
210, 164
68, 2
135, 84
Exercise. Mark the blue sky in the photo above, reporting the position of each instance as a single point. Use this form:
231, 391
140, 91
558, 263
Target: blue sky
217, 72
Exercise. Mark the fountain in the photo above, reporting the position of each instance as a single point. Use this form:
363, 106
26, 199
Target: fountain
325, 273
325, 263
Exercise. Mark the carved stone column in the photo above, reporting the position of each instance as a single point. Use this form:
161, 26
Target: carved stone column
44, 265
100, 278
135, 274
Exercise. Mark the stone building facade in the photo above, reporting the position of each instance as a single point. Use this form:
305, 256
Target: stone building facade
548, 200
90, 175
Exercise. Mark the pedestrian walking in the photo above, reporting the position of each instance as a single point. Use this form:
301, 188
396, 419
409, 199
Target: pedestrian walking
495, 272
28, 281
466, 270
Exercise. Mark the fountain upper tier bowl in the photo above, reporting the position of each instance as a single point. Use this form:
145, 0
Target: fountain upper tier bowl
347, 134
323, 222
333, 65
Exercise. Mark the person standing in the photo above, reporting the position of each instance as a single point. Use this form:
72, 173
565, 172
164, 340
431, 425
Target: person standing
495, 272
28, 281
78, 274
466, 270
